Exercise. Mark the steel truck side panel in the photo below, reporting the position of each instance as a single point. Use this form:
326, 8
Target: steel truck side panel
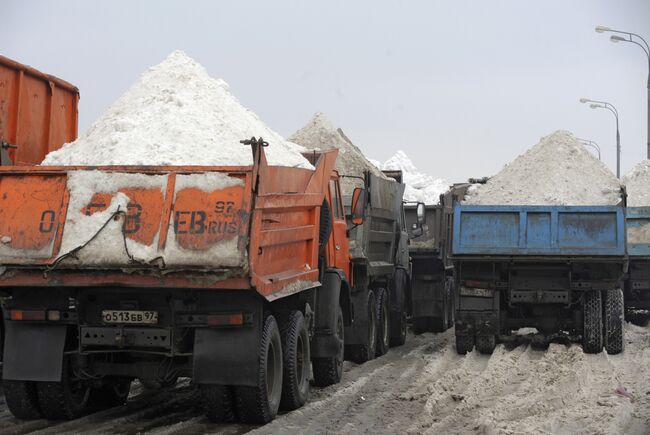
638, 231
38, 112
538, 230
375, 241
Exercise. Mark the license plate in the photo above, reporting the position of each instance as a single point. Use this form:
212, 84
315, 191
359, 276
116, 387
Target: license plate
129, 316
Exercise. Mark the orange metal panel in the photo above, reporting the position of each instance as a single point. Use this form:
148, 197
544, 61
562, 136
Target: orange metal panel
202, 219
38, 112
142, 216
30, 207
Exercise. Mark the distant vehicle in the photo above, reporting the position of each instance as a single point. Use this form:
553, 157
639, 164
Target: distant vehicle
433, 286
554, 268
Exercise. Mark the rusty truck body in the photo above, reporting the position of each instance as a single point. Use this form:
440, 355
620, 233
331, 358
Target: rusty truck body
38, 113
238, 277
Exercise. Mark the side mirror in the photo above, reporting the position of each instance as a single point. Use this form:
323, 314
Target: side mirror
421, 213
358, 205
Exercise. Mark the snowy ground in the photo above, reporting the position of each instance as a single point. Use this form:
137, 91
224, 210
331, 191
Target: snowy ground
425, 387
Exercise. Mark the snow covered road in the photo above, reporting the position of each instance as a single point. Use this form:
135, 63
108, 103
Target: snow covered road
425, 387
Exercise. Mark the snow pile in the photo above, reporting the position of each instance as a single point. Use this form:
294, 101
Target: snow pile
320, 135
176, 114
637, 182
556, 171
420, 187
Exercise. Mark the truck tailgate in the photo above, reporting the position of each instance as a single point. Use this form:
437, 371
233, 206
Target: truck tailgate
124, 217
538, 230
638, 231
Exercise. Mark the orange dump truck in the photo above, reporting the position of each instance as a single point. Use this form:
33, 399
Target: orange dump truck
38, 113
237, 277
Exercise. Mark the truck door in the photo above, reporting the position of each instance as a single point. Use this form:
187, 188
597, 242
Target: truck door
339, 250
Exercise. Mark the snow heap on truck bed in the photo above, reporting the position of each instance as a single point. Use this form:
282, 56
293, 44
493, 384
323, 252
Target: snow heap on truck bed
556, 171
320, 135
637, 182
420, 187
176, 114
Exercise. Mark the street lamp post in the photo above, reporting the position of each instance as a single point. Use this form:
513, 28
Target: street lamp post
592, 144
605, 105
646, 48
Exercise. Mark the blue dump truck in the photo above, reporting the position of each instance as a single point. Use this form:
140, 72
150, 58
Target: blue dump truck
637, 283
559, 269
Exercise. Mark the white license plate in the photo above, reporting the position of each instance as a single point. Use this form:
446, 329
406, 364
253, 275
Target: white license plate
129, 316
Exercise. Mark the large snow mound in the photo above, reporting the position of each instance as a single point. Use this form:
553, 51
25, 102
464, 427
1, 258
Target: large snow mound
176, 114
320, 135
420, 187
637, 182
556, 171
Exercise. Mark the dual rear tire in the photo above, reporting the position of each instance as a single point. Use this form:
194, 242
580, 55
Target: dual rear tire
282, 379
603, 321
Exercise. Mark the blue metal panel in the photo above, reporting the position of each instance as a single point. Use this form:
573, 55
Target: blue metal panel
538, 230
638, 231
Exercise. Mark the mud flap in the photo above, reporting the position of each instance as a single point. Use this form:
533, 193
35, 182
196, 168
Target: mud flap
324, 344
33, 352
357, 333
227, 356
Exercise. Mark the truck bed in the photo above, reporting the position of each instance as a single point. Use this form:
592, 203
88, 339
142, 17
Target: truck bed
538, 230
196, 227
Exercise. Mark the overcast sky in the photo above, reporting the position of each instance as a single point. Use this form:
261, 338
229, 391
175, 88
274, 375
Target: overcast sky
462, 86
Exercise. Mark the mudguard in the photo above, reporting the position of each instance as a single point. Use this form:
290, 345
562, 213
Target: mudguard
33, 352
227, 356
332, 293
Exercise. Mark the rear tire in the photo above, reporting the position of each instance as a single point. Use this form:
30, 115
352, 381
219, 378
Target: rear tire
217, 402
328, 371
22, 399
383, 324
398, 326
613, 321
259, 404
464, 344
360, 353
485, 343
114, 392
297, 358
63, 400
592, 333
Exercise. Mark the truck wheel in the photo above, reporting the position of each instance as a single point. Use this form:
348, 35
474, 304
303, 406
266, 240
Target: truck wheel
613, 321
114, 392
328, 371
217, 402
464, 344
398, 325
22, 399
360, 353
66, 399
383, 325
259, 404
592, 333
486, 343
297, 357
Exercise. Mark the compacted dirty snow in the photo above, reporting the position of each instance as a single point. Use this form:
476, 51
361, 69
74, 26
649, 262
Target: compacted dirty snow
423, 387
420, 187
320, 135
637, 182
176, 114
556, 171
